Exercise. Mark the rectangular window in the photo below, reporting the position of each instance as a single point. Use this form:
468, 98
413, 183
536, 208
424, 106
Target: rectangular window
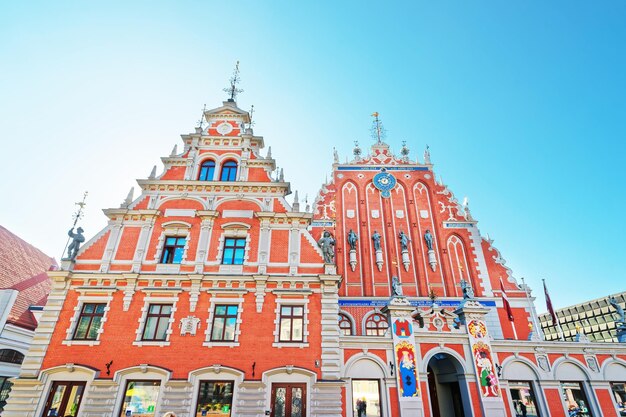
291, 324
140, 398
89, 321
575, 399
366, 398
234, 251
5, 389
157, 322
215, 398
173, 250
64, 399
224, 323
523, 399
619, 394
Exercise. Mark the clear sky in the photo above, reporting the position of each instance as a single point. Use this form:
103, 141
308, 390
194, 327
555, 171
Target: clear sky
523, 104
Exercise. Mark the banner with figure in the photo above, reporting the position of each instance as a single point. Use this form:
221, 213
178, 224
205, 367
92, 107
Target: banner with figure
406, 358
483, 359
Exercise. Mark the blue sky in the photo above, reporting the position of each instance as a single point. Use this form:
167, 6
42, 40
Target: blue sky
523, 105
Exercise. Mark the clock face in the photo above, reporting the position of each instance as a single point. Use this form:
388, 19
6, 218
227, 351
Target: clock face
224, 128
385, 182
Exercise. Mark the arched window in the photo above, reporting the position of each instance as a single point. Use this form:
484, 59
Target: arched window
207, 170
376, 325
229, 171
345, 325
11, 356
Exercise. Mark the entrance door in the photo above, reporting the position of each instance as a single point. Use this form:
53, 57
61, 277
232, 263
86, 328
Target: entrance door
64, 399
288, 400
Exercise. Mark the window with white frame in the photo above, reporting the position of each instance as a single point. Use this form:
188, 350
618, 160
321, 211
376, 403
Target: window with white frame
157, 318
90, 316
224, 321
157, 322
89, 321
291, 322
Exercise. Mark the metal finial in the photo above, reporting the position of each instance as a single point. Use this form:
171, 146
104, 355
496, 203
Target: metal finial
234, 80
201, 121
377, 130
79, 213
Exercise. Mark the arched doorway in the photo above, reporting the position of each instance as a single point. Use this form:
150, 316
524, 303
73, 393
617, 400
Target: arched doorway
447, 387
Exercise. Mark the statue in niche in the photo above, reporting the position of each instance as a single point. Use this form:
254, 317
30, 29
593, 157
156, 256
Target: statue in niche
396, 287
77, 239
618, 309
376, 239
327, 244
468, 291
429, 239
352, 238
404, 240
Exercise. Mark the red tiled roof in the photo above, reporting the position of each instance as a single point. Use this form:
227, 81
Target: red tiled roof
22, 267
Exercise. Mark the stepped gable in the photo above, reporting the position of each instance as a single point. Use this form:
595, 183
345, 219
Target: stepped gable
22, 268
192, 197
417, 202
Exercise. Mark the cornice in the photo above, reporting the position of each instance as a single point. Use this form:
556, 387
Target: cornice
215, 187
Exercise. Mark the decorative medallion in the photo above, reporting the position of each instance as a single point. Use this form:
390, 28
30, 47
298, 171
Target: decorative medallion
224, 128
385, 182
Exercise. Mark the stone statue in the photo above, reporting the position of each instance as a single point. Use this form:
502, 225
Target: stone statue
396, 287
327, 244
618, 309
429, 239
376, 239
352, 238
404, 240
468, 291
77, 239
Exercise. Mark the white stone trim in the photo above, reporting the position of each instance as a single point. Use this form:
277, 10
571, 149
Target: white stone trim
238, 301
233, 233
280, 302
216, 372
137, 373
142, 321
82, 300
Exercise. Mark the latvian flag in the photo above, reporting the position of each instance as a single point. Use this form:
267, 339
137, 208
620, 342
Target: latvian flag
505, 301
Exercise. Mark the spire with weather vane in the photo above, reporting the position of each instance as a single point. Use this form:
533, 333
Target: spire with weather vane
234, 80
201, 121
378, 131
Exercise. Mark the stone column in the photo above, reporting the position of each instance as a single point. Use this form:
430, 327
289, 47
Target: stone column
405, 350
472, 315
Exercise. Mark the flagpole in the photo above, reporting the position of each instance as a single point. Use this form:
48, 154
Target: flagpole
514, 331
533, 313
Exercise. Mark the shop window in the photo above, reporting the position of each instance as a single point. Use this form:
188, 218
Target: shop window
376, 325
291, 324
229, 171
140, 398
234, 251
575, 399
64, 399
366, 398
215, 398
5, 389
207, 170
619, 395
345, 325
11, 356
224, 323
173, 250
89, 321
523, 398
157, 322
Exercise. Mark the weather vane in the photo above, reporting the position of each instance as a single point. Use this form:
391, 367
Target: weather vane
378, 131
76, 216
251, 113
201, 121
234, 80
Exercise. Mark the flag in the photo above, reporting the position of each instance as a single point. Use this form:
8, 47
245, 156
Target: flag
549, 304
505, 301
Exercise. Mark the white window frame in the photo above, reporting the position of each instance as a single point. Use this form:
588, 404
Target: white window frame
172, 229
150, 299
216, 300
83, 299
238, 232
280, 302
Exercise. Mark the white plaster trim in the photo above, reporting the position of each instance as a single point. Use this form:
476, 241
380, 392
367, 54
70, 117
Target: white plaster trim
209, 321
280, 302
82, 300
142, 321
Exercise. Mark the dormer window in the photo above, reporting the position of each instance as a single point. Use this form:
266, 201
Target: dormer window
207, 170
229, 171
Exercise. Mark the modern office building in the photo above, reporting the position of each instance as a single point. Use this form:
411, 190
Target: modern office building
595, 318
